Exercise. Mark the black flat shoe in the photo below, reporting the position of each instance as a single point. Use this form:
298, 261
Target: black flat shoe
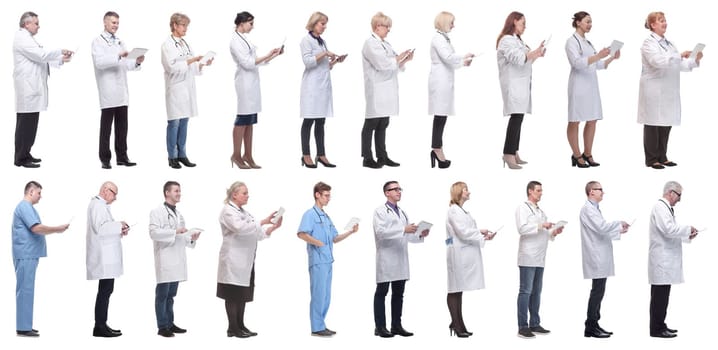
185, 161
28, 164
114, 330
174, 164
401, 331
238, 334
323, 333
370, 163
126, 163
657, 166
608, 332
35, 160
106, 165
669, 163
668, 329
30, 333
664, 334
177, 330
326, 164
383, 332
165, 332
104, 332
388, 162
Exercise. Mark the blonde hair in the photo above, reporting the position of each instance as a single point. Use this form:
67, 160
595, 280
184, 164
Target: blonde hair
443, 21
457, 190
178, 18
315, 18
653, 17
380, 19
233, 188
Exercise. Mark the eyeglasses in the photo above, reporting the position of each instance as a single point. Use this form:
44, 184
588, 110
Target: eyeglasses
398, 189
597, 189
677, 193
113, 192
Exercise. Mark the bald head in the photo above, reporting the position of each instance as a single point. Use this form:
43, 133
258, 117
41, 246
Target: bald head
108, 192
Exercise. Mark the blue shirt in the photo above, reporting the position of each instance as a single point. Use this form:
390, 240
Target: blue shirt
316, 223
25, 243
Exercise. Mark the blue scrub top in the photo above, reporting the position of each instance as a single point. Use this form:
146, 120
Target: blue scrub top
25, 243
317, 224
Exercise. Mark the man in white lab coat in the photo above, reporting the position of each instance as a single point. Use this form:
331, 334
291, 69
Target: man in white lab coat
170, 238
104, 254
111, 61
534, 233
665, 256
597, 254
392, 233
32, 68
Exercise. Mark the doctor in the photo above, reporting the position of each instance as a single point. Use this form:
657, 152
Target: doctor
320, 234
597, 254
111, 65
444, 61
28, 246
246, 84
32, 68
515, 60
534, 233
170, 239
104, 254
584, 99
181, 66
392, 233
381, 89
665, 256
235, 275
659, 96
465, 268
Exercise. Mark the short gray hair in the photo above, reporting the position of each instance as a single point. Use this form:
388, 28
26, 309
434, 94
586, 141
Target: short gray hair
672, 186
26, 18
233, 188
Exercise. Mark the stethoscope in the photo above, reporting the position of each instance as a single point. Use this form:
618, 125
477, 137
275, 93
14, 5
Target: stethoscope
580, 49
381, 42
659, 42
182, 46
245, 40
532, 210
171, 219
445, 36
114, 40
400, 213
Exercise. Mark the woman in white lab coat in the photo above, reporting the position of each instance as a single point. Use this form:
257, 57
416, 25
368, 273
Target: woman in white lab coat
381, 66
515, 59
235, 275
444, 61
465, 268
659, 96
315, 99
584, 99
180, 66
246, 83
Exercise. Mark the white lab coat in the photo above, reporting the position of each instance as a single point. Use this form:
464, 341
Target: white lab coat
597, 235
381, 78
240, 234
315, 97
392, 251
584, 99
169, 247
659, 93
444, 61
104, 242
180, 88
533, 238
111, 70
31, 72
465, 268
665, 250
514, 74
246, 78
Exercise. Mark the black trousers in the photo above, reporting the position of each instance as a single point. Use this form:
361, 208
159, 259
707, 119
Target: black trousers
102, 303
25, 132
437, 131
659, 307
397, 301
376, 126
119, 116
318, 135
598, 289
655, 143
513, 134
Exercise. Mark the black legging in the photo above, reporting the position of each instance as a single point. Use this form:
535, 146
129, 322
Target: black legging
513, 133
235, 315
318, 135
437, 132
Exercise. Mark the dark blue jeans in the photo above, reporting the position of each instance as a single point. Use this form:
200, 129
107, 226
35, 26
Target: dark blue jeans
529, 300
164, 303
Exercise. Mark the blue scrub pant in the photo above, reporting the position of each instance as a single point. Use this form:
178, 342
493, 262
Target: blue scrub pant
320, 284
24, 292
177, 138
164, 304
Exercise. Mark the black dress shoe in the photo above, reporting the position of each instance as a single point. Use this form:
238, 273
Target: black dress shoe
595, 332
185, 161
30, 333
28, 164
539, 330
114, 330
388, 162
174, 164
668, 329
106, 165
178, 330
666, 163
246, 330
370, 163
323, 333
401, 331
126, 163
165, 332
603, 330
656, 166
35, 160
239, 334
664, 334
104, 332
383, 332
330, 331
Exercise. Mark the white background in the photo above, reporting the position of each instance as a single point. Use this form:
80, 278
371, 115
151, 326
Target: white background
71, 175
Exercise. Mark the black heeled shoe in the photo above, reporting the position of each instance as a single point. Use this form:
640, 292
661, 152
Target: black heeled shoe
460, 334
174, 164
576, 163
589, 160
185, 161
310, 166
443, 164
326, 164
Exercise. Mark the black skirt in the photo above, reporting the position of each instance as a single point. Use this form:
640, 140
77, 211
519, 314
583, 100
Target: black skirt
232, 292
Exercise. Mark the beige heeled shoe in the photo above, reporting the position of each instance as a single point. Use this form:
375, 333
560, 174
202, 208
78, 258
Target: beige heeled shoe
510, 160
251, 163
239, 163
519, 160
